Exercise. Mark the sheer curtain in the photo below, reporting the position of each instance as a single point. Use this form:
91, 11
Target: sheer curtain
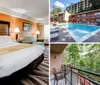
46, 33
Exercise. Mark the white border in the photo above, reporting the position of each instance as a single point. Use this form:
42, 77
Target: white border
49, 43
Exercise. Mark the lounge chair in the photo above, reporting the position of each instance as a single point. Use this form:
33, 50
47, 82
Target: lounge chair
54, 34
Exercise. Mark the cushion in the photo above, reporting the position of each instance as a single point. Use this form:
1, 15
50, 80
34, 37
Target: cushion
28, 39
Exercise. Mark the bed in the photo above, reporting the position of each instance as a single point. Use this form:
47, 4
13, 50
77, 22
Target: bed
17, 60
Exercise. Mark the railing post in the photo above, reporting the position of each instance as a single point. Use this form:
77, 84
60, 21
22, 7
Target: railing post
81, 76
71, 75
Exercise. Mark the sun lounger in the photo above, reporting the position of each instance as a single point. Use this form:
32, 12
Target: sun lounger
54, 34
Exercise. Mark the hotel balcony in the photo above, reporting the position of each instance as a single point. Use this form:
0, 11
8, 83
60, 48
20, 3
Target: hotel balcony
75, 76
97, 16
70, 73
84, 17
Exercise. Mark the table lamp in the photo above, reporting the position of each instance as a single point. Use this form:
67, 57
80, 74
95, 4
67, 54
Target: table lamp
16, 31
37, 33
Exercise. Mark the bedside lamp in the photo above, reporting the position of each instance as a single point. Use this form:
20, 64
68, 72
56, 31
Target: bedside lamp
37, 33
16, 31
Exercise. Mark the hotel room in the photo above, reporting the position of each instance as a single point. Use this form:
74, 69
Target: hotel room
24, 42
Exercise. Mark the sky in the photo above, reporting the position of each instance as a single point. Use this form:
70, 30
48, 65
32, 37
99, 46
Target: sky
62, 3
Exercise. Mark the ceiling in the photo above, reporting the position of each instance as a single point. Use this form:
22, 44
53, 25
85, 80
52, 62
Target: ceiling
36, 10
57, 48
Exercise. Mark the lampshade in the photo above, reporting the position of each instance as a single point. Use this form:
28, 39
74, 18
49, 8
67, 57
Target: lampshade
16, 30
37, 32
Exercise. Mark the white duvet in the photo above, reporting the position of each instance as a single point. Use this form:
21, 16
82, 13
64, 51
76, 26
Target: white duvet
14, 61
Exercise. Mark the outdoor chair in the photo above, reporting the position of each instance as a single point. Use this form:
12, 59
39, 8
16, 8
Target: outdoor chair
64, 71
57, 75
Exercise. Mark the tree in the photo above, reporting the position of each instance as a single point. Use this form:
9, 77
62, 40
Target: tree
73, 53
70, 11
84, 56
55, 10
95, 4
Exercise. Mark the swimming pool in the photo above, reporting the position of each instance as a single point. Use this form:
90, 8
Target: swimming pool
81, 32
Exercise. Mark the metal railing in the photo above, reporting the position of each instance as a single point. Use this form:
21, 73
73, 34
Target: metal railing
76, 77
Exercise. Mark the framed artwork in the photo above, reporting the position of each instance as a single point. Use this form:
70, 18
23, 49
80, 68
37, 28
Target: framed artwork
27, 26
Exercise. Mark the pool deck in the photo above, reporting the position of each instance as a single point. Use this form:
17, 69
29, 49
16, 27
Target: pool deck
64, 36
94, 38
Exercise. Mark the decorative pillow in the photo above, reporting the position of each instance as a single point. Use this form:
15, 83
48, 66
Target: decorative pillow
5, 40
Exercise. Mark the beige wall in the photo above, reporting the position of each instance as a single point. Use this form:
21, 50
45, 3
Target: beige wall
56, 62
41, 29
66, 16
18, 22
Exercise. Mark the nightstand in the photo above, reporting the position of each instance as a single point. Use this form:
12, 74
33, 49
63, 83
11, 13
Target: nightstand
40, 40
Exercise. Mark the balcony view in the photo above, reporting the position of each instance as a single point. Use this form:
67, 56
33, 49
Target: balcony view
75, 64
75, 21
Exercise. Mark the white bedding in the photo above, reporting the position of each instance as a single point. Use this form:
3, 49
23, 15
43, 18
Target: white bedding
14, 61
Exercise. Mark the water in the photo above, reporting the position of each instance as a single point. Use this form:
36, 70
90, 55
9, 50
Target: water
81, 32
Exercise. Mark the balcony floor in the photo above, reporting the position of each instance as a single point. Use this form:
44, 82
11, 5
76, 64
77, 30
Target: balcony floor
60, 82
75, 80
94, 38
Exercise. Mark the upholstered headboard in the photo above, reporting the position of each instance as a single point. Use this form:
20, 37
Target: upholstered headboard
4, 28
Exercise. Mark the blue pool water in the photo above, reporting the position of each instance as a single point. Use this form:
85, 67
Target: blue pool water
81, 32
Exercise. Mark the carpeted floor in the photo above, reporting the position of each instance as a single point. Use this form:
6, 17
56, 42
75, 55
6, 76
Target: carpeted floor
40, 76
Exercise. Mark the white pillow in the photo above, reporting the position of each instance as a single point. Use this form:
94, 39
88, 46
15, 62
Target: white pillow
5, 40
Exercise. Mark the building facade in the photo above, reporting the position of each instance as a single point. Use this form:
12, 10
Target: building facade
90, 17
83, 4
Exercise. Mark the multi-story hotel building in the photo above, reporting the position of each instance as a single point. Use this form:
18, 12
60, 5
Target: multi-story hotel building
83, 4
90, 17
